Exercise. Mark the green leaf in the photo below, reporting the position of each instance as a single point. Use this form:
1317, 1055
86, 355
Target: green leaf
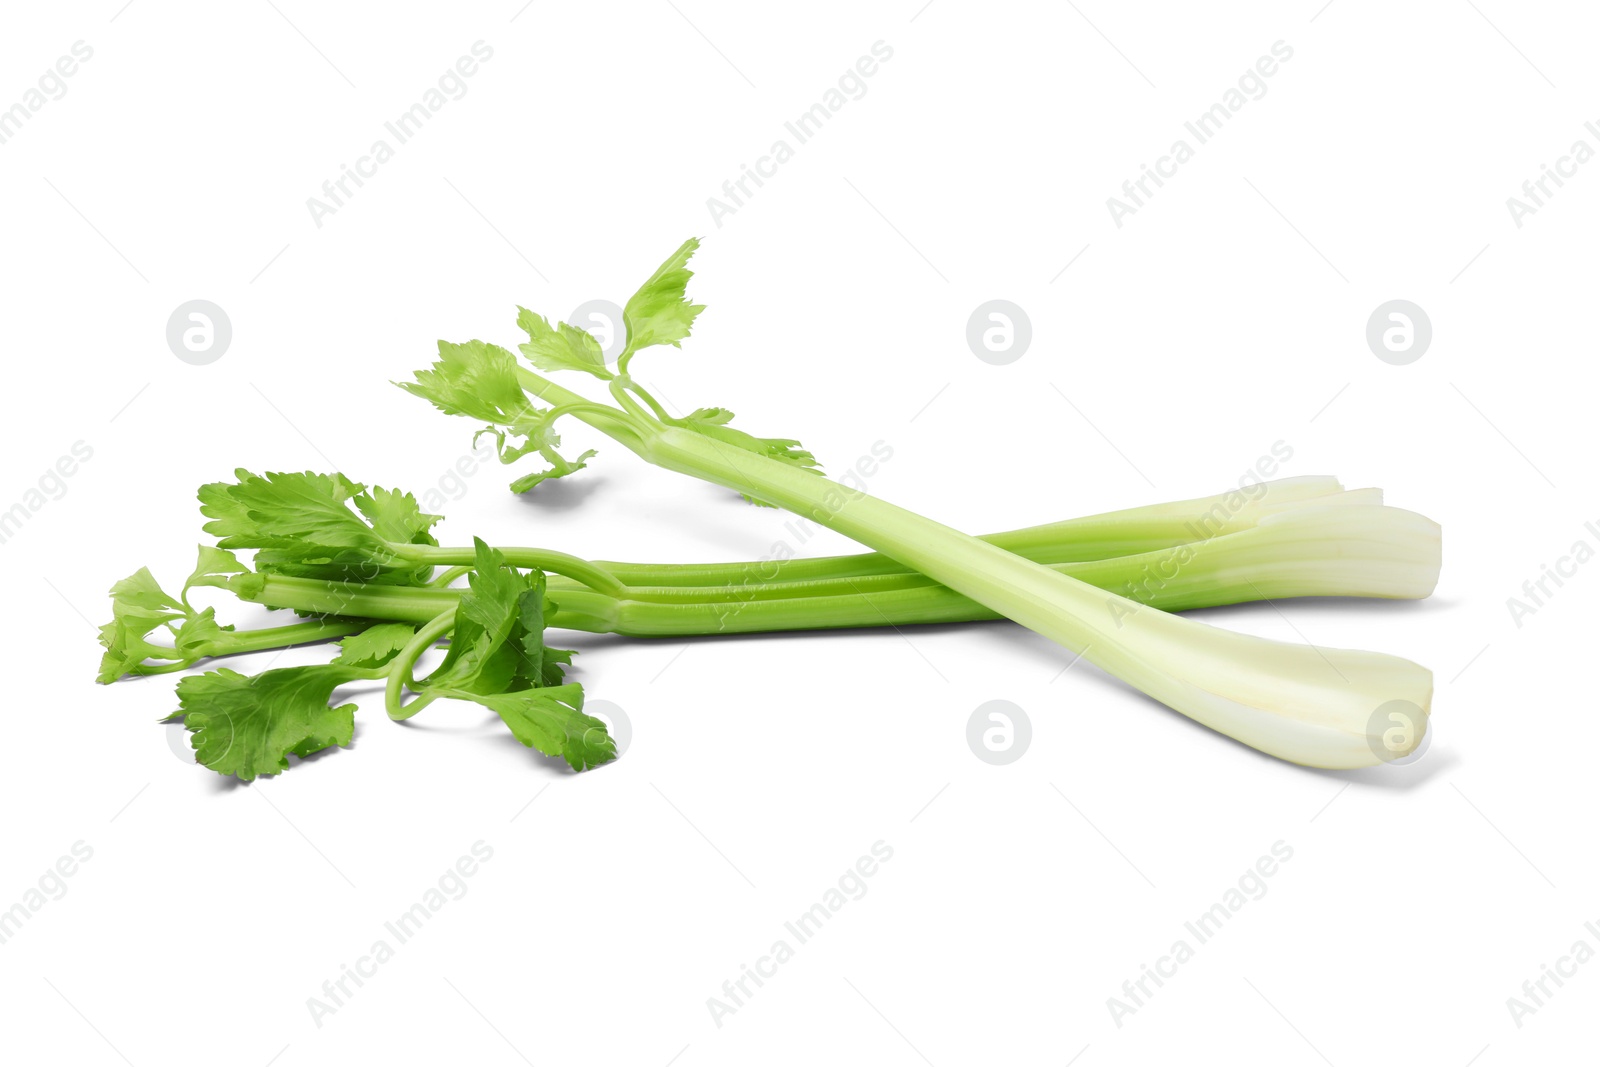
475, 379
539, 665
375, 646
139, 606
561, 347
553, 667
125, 648
140, 593
249, 726
303, 524
197, 633
542, 438
215, 567
659, 313
488, 648
480, 381
710, 416
498, 658
396, 516
560, 467
473, 639
283, 510
552, 721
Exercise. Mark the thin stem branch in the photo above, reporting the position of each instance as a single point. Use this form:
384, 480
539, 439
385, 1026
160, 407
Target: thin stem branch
399, 670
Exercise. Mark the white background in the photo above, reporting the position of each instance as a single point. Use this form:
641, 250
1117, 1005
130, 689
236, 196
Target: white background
1226, 315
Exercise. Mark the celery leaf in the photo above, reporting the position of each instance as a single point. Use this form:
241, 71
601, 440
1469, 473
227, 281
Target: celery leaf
475, 379
498, 658
250, 726
375, 646
659, 313
302, 524
552, 721
560, 347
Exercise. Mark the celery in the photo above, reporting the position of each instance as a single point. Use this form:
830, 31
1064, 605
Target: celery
1319, 707
1313, 549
